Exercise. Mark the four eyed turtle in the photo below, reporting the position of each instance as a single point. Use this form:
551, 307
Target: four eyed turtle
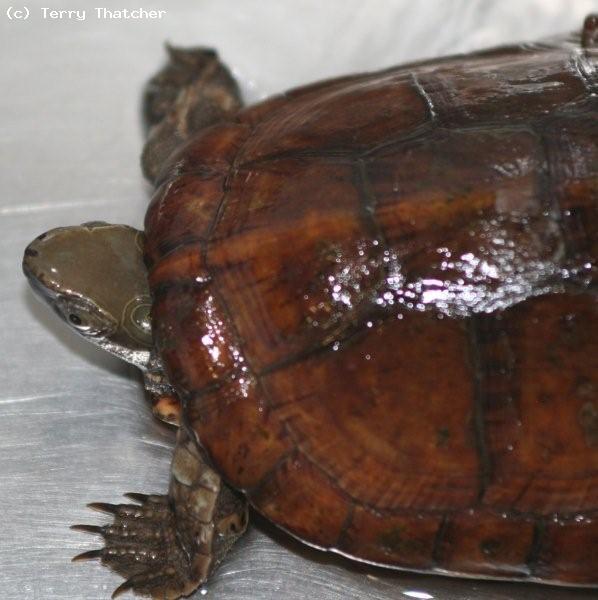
374, 299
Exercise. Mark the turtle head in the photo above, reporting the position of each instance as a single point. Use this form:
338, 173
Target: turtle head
94, 277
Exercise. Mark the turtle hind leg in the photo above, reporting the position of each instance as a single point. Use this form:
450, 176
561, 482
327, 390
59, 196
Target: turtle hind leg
167, 546
193, 91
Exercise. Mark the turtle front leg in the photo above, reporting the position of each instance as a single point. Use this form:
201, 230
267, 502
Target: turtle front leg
167, 546
166, 405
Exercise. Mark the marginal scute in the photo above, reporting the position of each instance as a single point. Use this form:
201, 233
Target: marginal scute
298, 497
486, 542
569, 550
406, 539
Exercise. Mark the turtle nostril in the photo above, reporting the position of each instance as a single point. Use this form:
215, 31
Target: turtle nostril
31, 252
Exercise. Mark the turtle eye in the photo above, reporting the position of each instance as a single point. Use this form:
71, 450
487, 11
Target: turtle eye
75, 320
84, 317
78, 322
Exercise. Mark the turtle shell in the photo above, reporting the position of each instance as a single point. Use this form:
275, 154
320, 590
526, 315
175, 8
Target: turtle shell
376, 297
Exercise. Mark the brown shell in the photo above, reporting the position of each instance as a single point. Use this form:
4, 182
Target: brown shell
377, 297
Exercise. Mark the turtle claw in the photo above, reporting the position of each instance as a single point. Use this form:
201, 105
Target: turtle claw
89, 555
142, 545
156, 585
140, 498
104, 507
125, 586
89, 529
145, 498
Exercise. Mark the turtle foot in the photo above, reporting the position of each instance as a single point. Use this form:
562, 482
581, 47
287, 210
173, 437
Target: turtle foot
142, 545
167, 546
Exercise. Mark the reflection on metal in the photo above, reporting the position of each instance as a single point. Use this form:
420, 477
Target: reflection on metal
418, 595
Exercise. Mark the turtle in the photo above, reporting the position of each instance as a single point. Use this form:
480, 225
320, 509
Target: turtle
369, 306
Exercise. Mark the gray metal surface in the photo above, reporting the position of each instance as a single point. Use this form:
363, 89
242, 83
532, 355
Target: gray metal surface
74, 426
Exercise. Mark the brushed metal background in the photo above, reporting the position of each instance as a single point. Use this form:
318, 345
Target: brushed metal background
74, 426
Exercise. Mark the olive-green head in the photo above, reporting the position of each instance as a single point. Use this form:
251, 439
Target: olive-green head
94, 277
